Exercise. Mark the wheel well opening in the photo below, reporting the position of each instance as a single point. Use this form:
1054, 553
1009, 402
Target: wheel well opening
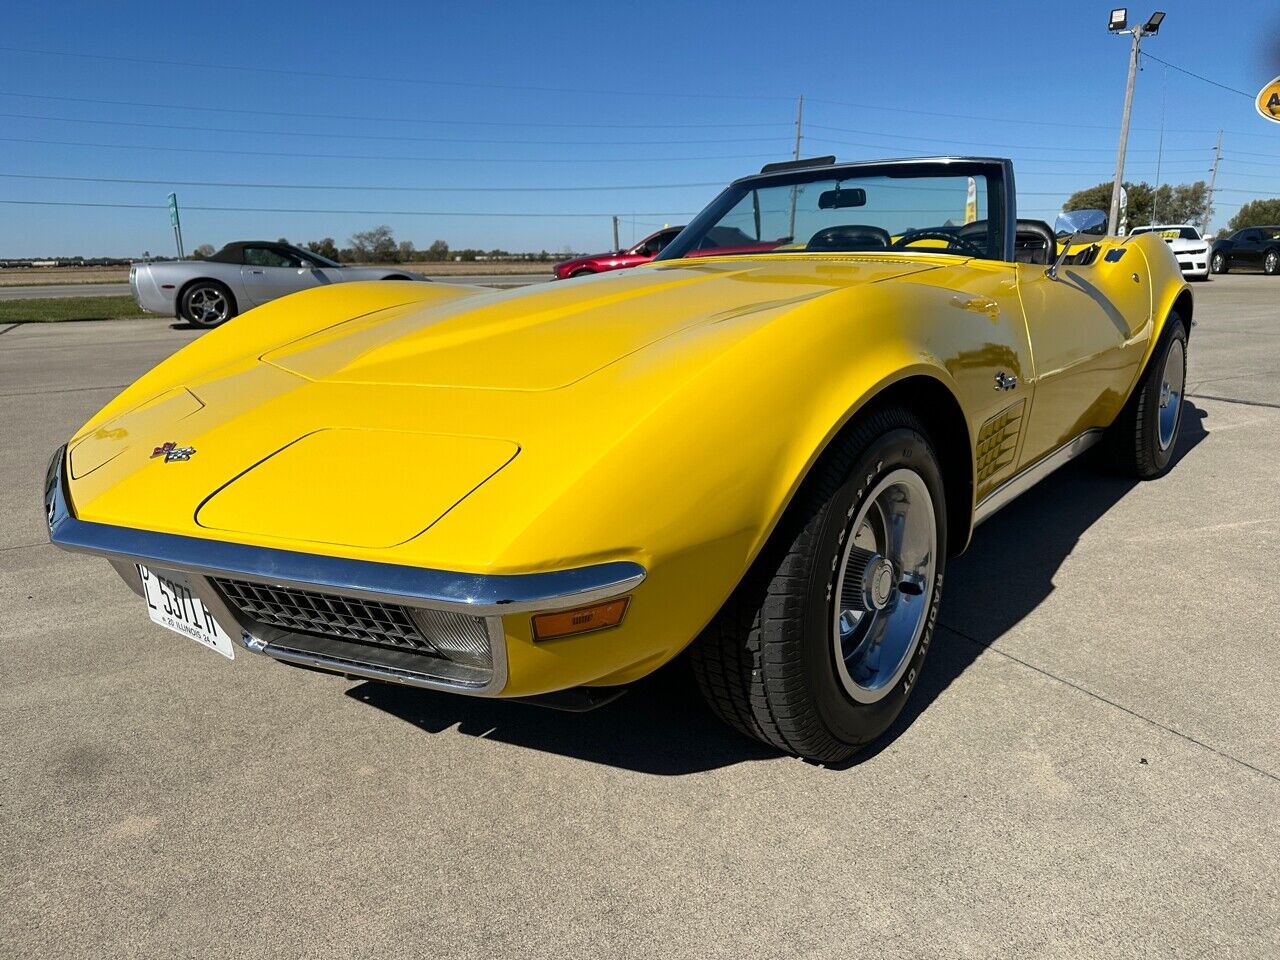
182, 292
943, 417
1183, 307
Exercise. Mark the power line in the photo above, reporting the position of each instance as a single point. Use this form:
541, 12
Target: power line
368, 117
359, 156
973, 143
373, 213
374, 136
374, 78
333, 186
1189, 73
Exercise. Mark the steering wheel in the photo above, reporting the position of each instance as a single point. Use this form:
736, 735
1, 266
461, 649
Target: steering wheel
970, 247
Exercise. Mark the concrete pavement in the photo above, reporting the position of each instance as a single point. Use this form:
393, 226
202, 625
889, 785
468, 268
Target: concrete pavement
1090, 768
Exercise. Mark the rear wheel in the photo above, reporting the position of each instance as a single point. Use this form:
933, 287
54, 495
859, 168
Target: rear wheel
1271, 263
1218, 263
1144, 436
819, 648
207, 303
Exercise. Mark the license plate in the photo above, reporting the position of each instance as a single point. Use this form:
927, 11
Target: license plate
174, 606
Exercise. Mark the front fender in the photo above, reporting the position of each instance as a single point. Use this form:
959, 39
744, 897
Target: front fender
692, 482
1169, 289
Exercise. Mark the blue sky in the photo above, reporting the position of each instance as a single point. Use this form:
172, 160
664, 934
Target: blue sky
517, 107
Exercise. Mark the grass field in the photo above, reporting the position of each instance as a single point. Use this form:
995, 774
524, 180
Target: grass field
68, 308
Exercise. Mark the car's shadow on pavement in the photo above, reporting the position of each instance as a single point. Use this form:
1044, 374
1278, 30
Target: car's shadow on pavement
661, 725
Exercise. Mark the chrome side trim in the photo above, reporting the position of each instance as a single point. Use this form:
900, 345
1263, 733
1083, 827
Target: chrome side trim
480, 595
1020, 483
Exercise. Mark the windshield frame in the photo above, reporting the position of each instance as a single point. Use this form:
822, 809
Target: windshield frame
1001, 213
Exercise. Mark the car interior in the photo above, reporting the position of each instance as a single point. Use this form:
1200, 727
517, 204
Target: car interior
1034, 242
849, 238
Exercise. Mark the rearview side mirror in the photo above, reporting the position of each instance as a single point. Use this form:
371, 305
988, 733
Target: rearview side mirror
1071, 225
1092, 222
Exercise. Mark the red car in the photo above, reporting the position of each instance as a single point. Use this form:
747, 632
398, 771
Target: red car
642, 252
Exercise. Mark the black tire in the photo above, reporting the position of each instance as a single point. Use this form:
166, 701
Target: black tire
1141, 444
1271, 263
207, 303
583, 273
767, 664
1219, 263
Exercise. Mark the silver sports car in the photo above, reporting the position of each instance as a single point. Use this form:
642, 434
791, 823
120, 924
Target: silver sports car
241, 275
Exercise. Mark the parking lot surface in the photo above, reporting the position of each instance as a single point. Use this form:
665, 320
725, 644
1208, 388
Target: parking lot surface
1091, 767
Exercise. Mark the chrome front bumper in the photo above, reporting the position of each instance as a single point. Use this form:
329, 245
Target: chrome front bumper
199, 562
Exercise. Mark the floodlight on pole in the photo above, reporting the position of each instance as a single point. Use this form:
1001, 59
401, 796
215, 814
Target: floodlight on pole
1118, 23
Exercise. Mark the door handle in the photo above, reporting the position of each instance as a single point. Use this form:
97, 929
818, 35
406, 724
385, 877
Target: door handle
258, 272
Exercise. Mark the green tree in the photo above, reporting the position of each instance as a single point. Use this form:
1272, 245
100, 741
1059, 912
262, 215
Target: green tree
202, 252
1183, 203
439, 250
1255, 213
325, 247
406, 253
377, 245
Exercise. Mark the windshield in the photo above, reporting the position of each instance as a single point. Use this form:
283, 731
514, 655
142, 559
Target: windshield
847, 212
317, 259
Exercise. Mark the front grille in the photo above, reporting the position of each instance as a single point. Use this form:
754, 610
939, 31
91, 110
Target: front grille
347, 618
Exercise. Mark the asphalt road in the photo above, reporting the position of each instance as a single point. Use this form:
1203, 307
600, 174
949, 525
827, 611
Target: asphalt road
63, 290
1090, 767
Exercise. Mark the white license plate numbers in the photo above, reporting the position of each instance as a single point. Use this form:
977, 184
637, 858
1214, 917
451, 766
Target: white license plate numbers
174, 606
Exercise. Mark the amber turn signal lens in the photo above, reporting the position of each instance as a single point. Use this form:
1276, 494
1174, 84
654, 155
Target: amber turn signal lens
567, 623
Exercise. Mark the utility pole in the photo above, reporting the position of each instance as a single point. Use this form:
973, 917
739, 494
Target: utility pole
796, 156
1213, 178
1119, 24
616, 244
799, 121
1155, 196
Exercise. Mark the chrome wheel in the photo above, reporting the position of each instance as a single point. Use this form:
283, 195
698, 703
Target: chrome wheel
1217, 263
1271, 262
1171, 386
884, 585
207, 305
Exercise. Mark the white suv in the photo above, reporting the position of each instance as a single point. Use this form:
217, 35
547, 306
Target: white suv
1188, 246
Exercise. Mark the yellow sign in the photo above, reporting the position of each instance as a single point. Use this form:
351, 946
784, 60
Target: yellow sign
971, 202
1268, 101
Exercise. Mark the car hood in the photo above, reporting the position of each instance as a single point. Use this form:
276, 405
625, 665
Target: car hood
370, 432
550, 336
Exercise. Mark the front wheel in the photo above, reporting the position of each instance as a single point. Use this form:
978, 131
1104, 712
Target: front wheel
207, 303
1144, 435
820, 647
1218, 263
1271, 263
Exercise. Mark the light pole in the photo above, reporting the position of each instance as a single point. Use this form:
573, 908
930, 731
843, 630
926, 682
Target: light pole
1119, 23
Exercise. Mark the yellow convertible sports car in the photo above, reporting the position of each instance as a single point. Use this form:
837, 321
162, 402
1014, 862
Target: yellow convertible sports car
762, 447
